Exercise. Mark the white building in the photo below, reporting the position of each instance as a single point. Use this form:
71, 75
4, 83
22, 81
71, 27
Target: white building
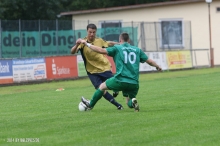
194, 11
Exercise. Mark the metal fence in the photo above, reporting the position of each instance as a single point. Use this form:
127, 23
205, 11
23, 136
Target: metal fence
37, 38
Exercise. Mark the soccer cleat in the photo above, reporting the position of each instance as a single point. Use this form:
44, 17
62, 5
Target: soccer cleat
120, 107
115, 94
135, 104
86, 102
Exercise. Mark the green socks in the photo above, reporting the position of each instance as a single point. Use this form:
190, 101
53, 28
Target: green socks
96, 96
130, 104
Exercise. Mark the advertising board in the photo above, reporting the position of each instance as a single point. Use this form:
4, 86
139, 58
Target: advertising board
6, 71
29, 69
59, 67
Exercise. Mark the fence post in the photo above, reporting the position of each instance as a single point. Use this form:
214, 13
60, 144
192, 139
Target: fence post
57, 36
209, 58
39, 37
190, 43
155, 26
143, 44
195, 57
0, 38
132, 24
74, 34
20, 38
212, 57
104, 31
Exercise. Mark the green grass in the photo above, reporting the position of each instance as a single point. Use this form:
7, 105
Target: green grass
178, 108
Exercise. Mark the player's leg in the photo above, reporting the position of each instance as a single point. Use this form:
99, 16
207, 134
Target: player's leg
113, 84
128, 100
115, 93
104, 76
98, 94
111, 99
132, 103
130, 94
107, 75
97, 80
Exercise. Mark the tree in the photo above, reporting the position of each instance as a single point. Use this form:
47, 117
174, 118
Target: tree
29, 9
48, 9
94, 4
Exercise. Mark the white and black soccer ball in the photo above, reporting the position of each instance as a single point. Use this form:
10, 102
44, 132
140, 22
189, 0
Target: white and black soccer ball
82, 107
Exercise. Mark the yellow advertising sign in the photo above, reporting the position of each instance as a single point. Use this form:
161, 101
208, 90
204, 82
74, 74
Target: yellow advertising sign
179, 59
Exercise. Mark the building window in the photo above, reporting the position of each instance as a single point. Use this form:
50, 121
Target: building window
171, 34
110, 30
218, 9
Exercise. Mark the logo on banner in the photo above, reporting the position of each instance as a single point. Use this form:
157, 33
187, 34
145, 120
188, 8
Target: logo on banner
4, 68
39, 72
178, 58
54, 70
59, 70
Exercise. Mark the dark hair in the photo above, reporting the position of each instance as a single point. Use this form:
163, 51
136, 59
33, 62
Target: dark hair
125, 36
92, 26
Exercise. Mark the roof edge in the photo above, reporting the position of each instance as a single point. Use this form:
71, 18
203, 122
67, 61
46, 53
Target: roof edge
127, 7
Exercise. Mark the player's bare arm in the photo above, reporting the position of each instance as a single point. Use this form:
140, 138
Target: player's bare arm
74, 48
95, 48
111, 43
152, 63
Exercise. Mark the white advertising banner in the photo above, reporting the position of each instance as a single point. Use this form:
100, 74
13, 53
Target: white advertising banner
158, 57
28, 69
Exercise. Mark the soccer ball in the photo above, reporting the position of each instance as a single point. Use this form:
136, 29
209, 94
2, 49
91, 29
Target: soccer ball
82, 107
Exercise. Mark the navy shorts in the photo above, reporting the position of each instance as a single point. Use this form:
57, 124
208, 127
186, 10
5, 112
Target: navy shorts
98, 78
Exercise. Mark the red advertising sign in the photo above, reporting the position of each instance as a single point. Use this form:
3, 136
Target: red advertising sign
59, 67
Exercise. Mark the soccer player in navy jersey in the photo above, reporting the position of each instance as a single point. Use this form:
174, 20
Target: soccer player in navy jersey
97, 65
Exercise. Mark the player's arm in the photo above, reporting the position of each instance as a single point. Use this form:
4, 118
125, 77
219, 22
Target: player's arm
153, 63
75, 48
95, 48
111, 43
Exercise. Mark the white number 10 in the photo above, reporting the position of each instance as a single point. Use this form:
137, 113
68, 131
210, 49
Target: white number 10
128, 57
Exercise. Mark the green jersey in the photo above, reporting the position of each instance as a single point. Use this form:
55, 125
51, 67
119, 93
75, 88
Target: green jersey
127, 60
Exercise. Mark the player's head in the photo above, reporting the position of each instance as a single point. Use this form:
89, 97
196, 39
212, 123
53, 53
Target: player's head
124, 37
91, 32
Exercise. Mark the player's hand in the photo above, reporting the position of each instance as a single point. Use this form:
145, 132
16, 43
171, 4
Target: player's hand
83, 41
159, 69
78, 41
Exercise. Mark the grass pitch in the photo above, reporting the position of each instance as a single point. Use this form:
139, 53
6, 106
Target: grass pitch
179, 108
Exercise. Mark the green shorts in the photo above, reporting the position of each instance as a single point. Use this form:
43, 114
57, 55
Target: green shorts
128, 90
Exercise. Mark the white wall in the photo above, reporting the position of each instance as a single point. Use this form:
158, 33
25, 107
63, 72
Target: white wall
197, 13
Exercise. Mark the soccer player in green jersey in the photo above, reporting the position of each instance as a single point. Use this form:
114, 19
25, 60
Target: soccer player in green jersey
127, 60
97, 65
